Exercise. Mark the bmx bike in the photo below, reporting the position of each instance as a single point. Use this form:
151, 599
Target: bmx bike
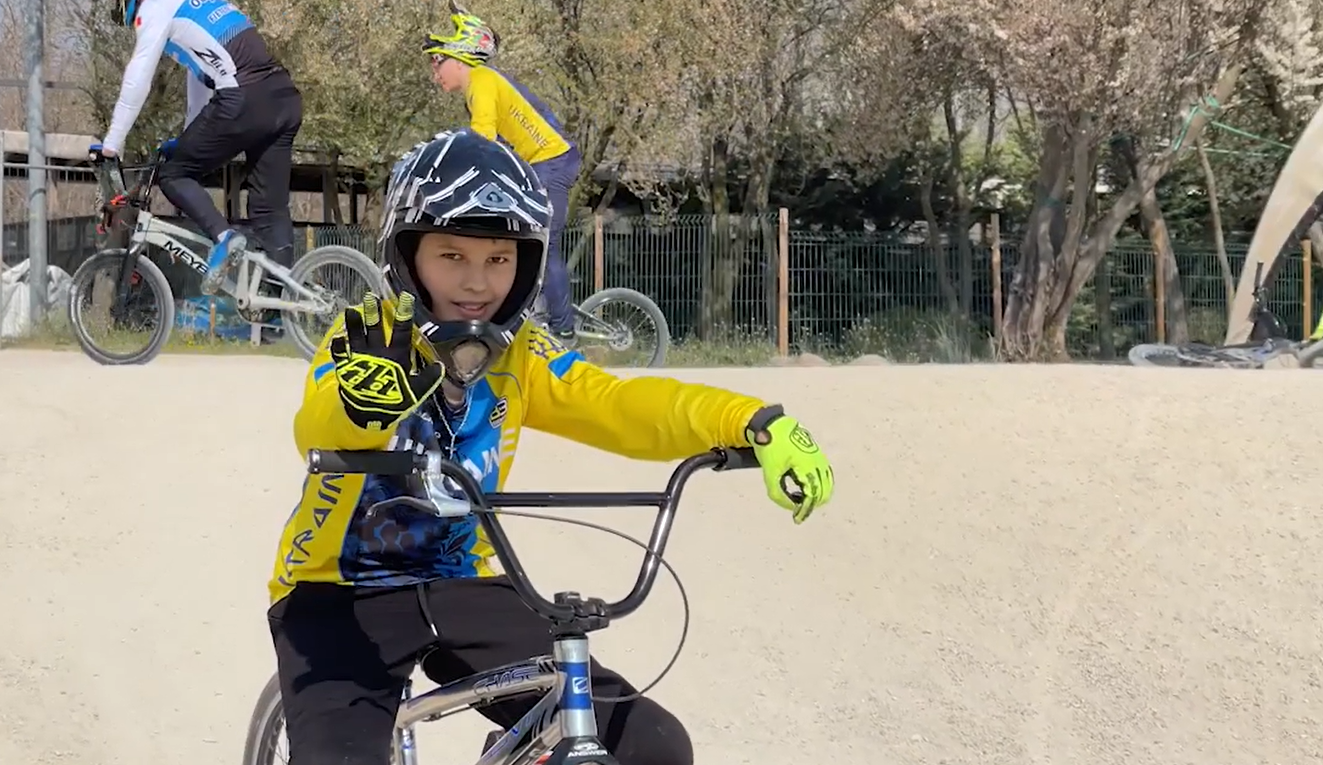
1268, 341
561, 727
139, 295
600, 321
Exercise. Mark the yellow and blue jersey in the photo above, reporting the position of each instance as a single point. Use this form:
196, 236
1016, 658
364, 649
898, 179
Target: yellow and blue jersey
502, 109
537, 383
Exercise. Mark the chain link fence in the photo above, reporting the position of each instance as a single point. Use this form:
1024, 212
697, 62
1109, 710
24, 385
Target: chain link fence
742, 289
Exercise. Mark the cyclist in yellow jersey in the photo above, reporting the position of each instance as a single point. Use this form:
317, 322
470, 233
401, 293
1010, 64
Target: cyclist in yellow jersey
451, 364
502, 109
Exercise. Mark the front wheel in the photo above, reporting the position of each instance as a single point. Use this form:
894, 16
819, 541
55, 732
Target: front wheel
624, 321
339, 289
1196, 356
263, 745
129, 298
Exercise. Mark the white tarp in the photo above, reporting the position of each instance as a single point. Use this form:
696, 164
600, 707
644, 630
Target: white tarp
16, 302
1292, 198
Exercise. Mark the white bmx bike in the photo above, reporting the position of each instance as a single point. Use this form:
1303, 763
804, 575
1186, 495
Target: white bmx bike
122, 291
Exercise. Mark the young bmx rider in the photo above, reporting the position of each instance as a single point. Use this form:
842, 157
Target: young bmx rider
502, 108
357, 600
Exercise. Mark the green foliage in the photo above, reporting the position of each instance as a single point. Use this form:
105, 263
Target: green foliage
908, 335
109, 46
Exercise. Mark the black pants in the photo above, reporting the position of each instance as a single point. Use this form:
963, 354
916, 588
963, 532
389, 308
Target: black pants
260, 121
344, 654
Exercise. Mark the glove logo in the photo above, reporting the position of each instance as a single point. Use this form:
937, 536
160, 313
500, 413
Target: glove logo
372, 381
803, 440
381, 381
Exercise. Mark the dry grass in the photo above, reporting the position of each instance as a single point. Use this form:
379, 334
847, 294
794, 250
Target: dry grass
59, 338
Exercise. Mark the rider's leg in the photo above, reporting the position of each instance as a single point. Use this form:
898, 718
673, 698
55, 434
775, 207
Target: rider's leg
343, 655
558, 175
213, 138
483, 624
268, 167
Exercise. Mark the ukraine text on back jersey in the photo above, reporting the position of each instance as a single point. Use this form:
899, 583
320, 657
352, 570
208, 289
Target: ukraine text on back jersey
500, 108
538, 383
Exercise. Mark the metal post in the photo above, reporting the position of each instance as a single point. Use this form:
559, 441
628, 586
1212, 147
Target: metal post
2, 207
36, 162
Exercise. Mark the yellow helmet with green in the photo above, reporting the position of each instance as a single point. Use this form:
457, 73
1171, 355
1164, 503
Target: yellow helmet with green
473, 42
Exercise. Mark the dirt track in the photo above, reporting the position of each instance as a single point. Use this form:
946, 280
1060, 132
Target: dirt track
1022, 565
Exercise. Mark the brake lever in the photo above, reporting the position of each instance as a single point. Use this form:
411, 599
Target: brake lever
455, 508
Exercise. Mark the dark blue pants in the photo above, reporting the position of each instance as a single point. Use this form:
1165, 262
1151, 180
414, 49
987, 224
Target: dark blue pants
558, 175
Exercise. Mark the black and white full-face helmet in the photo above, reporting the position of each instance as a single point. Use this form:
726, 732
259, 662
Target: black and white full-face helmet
462, 183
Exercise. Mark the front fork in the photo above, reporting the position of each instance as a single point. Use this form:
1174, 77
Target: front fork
120, 307
406, 750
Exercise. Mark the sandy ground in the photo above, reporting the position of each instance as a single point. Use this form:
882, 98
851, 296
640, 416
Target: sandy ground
1022, 565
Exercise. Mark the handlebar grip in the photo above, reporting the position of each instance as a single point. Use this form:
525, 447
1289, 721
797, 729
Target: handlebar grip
367, 461
742, 458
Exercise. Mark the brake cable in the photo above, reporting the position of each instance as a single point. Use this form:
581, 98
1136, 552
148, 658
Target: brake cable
684, 596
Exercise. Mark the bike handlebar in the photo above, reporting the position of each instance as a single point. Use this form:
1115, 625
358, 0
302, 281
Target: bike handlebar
110, 172
435, 469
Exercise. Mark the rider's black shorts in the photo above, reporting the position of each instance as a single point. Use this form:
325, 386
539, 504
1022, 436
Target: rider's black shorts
344, 653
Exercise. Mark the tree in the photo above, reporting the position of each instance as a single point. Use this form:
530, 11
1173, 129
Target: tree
758, 74
1137, 69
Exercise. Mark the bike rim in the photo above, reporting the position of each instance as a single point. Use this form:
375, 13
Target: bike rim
276, 744
618, 334
338, 286
120, 326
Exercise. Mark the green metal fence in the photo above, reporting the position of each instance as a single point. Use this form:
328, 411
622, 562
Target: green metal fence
719, 283
850, 292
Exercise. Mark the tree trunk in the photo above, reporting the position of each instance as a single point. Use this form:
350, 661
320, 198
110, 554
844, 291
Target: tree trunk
710, 308
1219, 239
758, 227
963, 203
1048, 278
1024, 330
938, 253
1102, 301
1178, 320
1155, 228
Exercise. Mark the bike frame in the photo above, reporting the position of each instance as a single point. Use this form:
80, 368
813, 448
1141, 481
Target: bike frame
551, 720
612, 334
170, 237
151, 230
609, 333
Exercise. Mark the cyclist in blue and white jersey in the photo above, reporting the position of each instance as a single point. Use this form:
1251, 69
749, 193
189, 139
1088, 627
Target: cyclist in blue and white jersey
240, 100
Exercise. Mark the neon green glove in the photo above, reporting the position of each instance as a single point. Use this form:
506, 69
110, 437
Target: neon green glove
381, 379
795, 471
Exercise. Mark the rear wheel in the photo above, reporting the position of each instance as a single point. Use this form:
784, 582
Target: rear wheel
628, 328
116, 326
1157, 355
266, 743
337, 274
1206, 356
